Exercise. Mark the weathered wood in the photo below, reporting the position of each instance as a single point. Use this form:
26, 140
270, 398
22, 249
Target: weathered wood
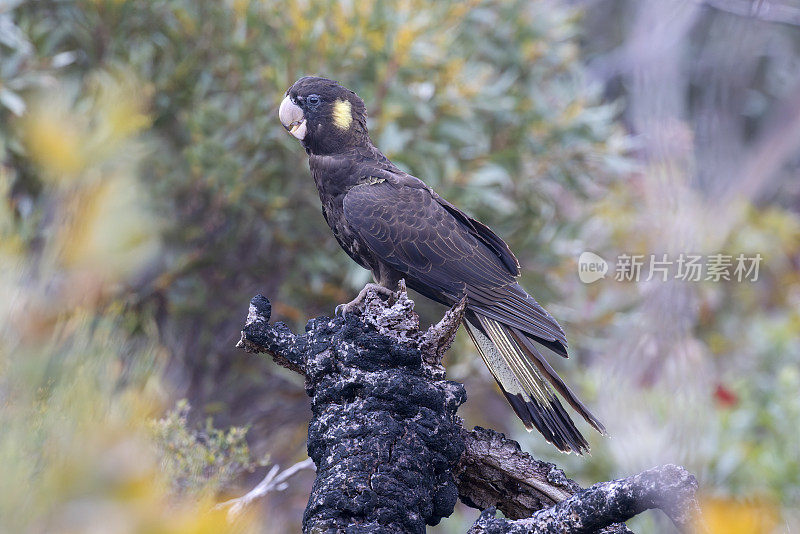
391, 453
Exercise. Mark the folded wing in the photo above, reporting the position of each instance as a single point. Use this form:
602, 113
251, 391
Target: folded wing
444, 255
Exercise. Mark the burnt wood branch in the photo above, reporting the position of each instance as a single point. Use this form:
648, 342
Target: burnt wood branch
391, 453
669, 488
277, 340
494, 472
384, 434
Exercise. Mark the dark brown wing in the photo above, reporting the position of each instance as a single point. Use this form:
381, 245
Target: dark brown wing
445, 254
413, 233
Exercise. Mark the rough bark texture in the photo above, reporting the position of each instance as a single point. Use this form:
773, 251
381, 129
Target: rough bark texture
494, 472
384, 433
668, 487
391, 454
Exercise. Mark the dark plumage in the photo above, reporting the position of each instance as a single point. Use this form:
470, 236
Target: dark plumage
397, 227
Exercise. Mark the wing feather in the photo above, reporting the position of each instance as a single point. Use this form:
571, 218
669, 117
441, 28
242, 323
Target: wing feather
410, 230
444, 255
413, 231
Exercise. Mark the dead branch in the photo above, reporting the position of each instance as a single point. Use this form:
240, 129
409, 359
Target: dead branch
274, 480
391, 453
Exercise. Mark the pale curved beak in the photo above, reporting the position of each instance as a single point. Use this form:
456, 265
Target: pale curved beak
291, 116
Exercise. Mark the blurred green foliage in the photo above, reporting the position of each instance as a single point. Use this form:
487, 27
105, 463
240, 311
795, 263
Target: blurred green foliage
148, 191
80, 373
200, 462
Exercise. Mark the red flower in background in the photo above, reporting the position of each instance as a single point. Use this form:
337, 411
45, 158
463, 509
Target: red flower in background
725, 397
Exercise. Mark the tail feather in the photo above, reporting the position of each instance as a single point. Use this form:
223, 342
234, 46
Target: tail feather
524, 377
513, 307
546, 369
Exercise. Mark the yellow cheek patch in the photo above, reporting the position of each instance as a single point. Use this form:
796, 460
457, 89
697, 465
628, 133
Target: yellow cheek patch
342, 114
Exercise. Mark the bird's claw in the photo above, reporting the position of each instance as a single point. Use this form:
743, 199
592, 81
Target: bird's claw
343, 309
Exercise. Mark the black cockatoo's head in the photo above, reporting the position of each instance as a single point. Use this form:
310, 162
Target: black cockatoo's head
326, 117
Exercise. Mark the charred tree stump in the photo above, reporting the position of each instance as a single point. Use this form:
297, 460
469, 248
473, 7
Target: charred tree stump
384, 433
391, 453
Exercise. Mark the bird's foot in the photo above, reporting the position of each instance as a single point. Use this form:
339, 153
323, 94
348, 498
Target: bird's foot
343, 309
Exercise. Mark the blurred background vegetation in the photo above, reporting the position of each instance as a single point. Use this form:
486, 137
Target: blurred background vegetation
147, 191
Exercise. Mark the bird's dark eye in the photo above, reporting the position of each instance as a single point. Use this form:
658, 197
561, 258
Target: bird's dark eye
313, 100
